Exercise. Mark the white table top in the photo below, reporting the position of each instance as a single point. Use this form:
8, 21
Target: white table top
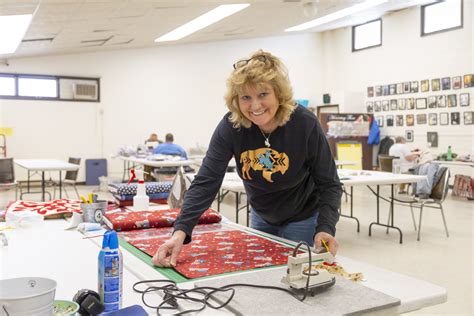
367, 177
51, 252
46, 165
158, 163
345, 163
455, 163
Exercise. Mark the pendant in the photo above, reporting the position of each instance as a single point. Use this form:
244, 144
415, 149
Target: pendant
267, 143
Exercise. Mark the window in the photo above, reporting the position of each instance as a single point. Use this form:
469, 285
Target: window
49, 87
7, 85
441, 16
38, 87
367, 35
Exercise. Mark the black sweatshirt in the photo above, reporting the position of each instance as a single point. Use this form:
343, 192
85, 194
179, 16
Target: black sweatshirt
287, 182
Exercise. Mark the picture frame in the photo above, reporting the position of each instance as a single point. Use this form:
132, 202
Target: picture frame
421, 119
432, 100
385, 89
468, 118
435, 84
444, 118
378, 91
420, 103
409, 135
410, 103
455, 118
401, 104
464, 99
432, 119
370, 107
468, 81
432, 139
400, 88
393, 105
399, 120
385, 106
377, 107
370, 92
446, 83
393, 89
389, 120
441, 101
457, 82
451, 101
410, 119
379, 119
414, 87
406, 87
425, 85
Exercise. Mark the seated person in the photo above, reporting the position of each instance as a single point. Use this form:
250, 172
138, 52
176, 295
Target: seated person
169, 148
152, 141
408, 158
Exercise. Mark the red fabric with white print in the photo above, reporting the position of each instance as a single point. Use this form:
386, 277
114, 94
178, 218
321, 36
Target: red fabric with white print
217, 252
130, 220
48, 208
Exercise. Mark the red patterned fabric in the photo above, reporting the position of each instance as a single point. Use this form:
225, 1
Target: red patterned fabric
123, 203
129, 220
213, 253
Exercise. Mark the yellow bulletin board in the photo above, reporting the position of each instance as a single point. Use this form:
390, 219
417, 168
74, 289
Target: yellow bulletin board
7, 131
350, 152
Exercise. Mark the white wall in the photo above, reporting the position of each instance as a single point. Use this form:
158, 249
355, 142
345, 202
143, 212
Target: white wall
176, 89
405, 56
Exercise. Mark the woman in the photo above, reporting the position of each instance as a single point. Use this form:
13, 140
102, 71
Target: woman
282, 156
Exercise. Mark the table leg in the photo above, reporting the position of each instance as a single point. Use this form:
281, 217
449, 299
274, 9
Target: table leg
236, 207
352, 210
60, 185
43, 189
392, 204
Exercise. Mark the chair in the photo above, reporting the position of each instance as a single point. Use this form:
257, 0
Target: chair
385, 162
7, 175
435, 200
70, 178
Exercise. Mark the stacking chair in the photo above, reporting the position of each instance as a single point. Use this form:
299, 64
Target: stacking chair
7, 175
385, 162
70, 178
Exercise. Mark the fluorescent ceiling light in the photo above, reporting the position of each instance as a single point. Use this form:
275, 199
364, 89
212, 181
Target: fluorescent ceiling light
202, 21
13, 29
336, 15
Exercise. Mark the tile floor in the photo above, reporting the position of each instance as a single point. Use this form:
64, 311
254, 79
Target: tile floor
448, 262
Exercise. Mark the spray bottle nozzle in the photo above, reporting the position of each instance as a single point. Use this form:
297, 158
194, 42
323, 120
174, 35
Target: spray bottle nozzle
132, 171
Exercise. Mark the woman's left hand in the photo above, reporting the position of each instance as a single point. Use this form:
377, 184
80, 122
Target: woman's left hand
330, 241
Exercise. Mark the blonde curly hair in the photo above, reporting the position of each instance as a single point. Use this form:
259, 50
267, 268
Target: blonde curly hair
262, 68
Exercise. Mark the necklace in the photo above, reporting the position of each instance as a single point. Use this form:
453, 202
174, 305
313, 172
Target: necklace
267, 138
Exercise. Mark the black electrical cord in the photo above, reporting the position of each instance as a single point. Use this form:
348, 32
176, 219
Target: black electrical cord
172, 293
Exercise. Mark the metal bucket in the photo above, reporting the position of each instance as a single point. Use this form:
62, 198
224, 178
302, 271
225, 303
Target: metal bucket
28, 296
93, 212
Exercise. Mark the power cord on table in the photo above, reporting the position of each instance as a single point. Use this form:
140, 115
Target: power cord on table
172, 293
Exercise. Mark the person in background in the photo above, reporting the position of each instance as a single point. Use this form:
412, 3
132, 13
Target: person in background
169, 148
152, 141
408, 157
281, 154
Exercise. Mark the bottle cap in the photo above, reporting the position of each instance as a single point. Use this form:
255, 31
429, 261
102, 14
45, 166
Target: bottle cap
110, 240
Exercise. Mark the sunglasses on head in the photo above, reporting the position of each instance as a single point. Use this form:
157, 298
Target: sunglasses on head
244, 62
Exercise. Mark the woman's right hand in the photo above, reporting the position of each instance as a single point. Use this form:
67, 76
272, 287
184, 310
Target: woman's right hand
167, 254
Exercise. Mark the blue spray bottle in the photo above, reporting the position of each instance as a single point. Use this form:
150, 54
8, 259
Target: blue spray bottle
110, 272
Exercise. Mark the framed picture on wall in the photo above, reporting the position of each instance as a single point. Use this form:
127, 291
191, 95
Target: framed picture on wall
425, 85
370, 92
468, 118
455, 118
393, 89
452, 101
444, 118
377, 107
432, 119
379, 119
432, 138
378, 91
385, 105
421, 103
370, 107
457, 82
414, 87
441, 101
435, 84
406, 87
410, 103
399, 120
468, 81
401, 104
409, 135
421, 119
464, 99
393, 105
410, 119
399, 88
446, 83
432, 102
389, 120
385, 89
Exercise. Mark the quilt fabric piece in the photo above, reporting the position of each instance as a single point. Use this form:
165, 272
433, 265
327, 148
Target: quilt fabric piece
123, 221
218, 252
151, 187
